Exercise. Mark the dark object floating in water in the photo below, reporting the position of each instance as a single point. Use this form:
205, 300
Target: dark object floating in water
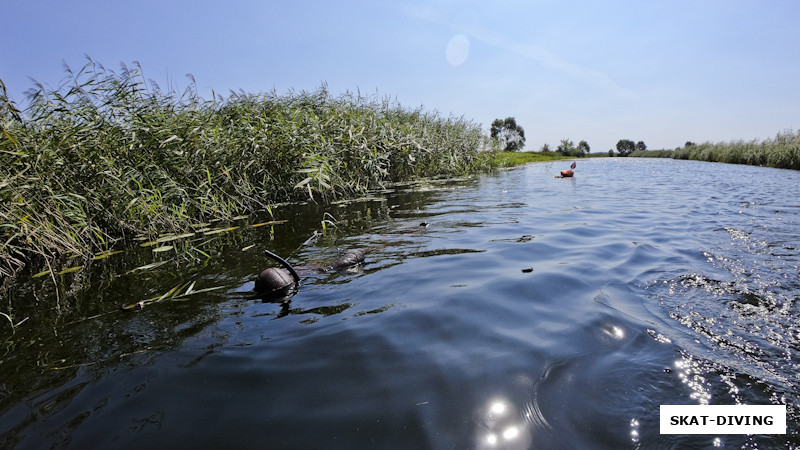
274, 281
351, 258
527, 270
424, 224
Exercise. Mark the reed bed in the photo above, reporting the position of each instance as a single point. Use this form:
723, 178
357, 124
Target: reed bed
782, 151
109, 155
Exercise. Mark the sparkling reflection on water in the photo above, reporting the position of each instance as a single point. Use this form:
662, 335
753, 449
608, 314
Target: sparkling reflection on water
531, 312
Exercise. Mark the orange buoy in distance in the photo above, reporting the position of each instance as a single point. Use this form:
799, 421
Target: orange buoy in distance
566, 173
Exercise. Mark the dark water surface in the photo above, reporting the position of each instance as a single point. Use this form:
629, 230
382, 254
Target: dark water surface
653, 282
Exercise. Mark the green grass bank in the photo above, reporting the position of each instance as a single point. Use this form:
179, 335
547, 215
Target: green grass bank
510, 159
109, 155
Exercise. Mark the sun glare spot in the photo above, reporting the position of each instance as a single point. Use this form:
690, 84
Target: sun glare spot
510, 433
457, 50
498, 407
501, 425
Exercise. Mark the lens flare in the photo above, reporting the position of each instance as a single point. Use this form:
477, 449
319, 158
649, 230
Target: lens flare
457, 50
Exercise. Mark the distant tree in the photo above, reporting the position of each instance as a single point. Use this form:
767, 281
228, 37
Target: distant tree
566, 147
611, 153
508, 134
689, 144
640, 146
625, 147
545, 148
583, 147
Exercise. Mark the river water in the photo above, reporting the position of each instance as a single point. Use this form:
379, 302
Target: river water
530, 312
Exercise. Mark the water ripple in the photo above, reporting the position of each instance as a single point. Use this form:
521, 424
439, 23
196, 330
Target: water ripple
530, 312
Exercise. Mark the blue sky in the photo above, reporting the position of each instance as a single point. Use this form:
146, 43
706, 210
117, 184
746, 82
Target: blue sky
659, 71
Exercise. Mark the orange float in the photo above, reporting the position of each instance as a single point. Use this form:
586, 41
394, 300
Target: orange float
567, 173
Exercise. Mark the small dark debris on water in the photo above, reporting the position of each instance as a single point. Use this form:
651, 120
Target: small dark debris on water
424, 224
667, 370
527, 270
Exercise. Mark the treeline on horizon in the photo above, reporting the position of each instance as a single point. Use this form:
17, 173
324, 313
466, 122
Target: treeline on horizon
782, 151
109, 155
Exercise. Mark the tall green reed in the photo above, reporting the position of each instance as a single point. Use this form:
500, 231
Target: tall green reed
108, 155
782, 151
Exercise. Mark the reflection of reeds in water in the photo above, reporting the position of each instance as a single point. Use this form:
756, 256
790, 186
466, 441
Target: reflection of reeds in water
108, 155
